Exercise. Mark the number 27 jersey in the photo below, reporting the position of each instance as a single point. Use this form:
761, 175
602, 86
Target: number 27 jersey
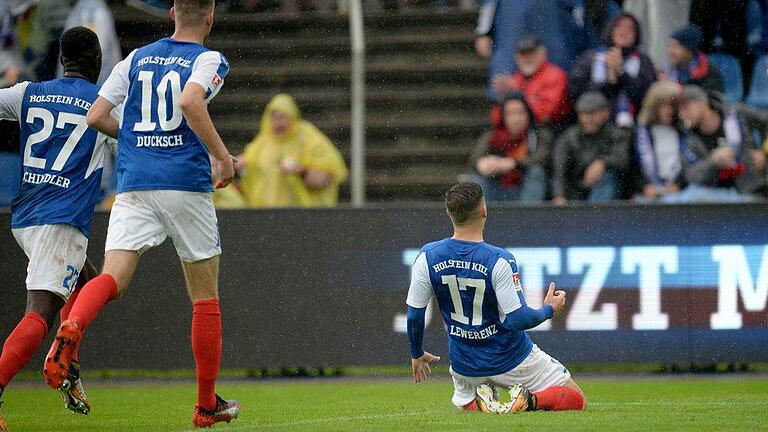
157, 150
60, 174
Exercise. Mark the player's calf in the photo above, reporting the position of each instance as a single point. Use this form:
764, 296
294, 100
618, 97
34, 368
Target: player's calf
558, 398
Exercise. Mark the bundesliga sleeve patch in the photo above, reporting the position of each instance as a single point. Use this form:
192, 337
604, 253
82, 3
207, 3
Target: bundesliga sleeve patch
215, 81
516, 280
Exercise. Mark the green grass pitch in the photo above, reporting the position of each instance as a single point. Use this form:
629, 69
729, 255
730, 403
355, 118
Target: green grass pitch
731, 403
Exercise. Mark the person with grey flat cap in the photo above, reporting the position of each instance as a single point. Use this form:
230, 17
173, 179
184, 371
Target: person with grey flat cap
591, 156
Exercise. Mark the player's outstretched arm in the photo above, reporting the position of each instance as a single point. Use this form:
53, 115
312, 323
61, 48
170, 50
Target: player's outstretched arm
195, 110
100, 117
525, 317
420, 359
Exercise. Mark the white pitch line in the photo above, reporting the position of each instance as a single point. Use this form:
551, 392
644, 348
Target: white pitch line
418, 413
677, 403
329, 420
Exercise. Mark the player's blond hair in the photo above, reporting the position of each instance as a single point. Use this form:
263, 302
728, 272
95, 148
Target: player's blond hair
192, 12
464, 202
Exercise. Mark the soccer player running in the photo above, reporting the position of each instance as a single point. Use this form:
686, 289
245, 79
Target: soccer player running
51, 214
164, 190
481, 300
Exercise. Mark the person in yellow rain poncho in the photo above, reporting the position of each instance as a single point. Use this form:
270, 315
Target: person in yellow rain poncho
290, 163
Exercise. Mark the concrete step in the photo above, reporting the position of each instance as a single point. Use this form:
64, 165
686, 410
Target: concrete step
237, 133
400, 156
463, 70
236, 25
419, 183
317, 102
258, 49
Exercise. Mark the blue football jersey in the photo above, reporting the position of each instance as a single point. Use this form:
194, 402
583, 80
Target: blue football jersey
62, 157
157, 150
476, 285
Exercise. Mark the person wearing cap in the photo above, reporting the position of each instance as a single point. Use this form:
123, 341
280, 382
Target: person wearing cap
512, 159
688, 65
566, 28
618, 70
658, 140
544, 84
591, 157
721, 161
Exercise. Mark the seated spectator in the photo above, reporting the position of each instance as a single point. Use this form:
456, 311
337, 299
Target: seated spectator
590, 157
688, 64
720, 162
658, 141
512, 159
617, 70
290, 163
544, 85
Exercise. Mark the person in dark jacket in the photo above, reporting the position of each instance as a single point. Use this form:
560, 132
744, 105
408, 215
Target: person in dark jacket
512, 159
688, 64
590, 157
618, 70
721, 160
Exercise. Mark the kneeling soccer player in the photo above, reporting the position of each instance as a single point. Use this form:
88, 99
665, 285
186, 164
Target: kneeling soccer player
478, 290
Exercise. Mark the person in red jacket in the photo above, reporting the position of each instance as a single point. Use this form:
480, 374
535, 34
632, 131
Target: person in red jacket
544, 84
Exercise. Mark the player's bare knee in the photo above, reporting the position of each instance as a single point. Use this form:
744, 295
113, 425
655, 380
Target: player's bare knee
121, 265
44, 303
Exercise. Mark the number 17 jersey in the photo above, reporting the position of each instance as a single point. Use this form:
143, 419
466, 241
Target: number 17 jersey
476, 286
157, 150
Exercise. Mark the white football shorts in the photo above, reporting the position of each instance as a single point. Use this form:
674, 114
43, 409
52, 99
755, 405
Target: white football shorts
141, 220
539, 371
56, 255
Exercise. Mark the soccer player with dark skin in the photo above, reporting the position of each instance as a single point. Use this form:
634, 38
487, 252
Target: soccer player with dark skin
489, 348
81, 59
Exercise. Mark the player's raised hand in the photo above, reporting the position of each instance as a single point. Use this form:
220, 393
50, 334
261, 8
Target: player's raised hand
555, 298
225, 171
421, 368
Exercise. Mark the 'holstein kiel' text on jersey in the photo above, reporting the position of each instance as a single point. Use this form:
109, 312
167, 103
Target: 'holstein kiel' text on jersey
62, 159
157, 150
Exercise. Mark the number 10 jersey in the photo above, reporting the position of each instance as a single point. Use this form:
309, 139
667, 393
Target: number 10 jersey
476, 286
157, 150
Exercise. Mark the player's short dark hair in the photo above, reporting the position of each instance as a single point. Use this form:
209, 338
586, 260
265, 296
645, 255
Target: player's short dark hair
81, 52
463, 202
192, 11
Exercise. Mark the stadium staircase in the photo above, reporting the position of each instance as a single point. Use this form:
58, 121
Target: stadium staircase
425, 101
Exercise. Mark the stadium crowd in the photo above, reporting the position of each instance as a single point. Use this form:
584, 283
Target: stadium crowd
598, 100
577, 116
